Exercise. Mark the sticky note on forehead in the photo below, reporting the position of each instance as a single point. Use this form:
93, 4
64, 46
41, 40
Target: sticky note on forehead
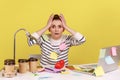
53, 55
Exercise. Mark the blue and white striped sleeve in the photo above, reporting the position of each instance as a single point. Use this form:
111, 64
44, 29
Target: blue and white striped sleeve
39, 39
77, 39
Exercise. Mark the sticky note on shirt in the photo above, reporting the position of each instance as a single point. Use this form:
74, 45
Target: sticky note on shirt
109, 60
99, 71
102, 53
62, 46
113, 51
45, 37
53, 55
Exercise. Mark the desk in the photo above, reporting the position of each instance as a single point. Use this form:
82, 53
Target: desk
114, 75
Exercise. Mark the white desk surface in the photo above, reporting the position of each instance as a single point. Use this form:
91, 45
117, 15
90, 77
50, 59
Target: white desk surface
114, 75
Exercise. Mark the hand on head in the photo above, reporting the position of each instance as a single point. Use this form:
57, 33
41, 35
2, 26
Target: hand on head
63, 20
49, 23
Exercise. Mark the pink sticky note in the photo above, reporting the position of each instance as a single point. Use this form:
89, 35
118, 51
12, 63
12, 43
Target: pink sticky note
113, 51
62, 46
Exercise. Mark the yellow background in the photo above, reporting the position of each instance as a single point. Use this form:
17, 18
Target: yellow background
97, 20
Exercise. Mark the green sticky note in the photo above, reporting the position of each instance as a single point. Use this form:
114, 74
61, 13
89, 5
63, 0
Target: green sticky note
45, 37
102, 53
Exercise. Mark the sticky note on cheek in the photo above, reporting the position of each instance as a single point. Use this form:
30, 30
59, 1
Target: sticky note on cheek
113, 51
54, 55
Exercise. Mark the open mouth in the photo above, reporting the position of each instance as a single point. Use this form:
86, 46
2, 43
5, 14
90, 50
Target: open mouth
56, 33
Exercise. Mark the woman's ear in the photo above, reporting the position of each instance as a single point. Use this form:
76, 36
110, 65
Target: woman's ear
63, 29
49, 29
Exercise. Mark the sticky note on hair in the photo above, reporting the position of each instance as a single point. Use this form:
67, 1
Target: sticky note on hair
102, 53
99, 71
109, 60
113, 51
53, 55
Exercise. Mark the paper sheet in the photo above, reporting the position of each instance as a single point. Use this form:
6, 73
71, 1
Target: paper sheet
76, 67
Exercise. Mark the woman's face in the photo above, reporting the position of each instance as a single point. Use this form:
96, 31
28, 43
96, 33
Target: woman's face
56, 29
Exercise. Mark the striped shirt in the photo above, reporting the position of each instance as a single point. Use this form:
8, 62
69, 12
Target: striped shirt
49, 45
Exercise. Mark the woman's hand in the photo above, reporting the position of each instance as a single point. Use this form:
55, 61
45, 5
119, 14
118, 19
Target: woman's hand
65, 26
63, 21
49, 23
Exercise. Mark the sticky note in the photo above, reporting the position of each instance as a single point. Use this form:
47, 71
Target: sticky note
113, 51
53, 55
62, 46
77, 67
102, 53
109, 60
65, 72
45, 37
99, 71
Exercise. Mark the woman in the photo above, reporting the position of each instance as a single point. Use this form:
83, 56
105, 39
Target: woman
56, 42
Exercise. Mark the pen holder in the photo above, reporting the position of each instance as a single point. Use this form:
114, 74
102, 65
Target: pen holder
9, 68
33, 64
23, 65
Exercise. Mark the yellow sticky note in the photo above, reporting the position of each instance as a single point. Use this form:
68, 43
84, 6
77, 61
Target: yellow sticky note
99, 71
65, 72
77, 67
53, 55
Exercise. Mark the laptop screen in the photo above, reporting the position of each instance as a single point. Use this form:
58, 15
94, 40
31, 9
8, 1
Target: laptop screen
109, 58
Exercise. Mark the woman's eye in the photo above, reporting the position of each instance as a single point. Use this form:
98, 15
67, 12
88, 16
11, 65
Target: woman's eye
53, 26
60, 26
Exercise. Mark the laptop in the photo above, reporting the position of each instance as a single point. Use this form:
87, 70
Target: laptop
108, 59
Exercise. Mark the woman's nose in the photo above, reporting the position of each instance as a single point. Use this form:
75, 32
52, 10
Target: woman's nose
56, 29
